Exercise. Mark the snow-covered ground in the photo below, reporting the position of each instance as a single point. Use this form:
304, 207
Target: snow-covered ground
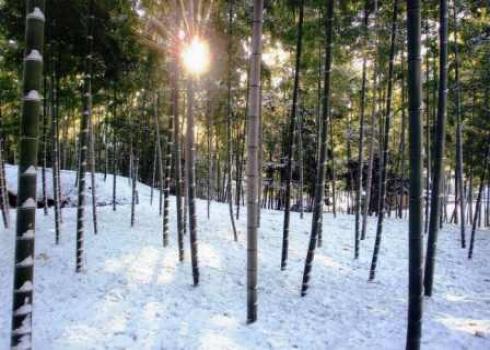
69, 192
134, 294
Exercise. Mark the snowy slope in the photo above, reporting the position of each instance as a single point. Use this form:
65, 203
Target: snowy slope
69, 193
135, 294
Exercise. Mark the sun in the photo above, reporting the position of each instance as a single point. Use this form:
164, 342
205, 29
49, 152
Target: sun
195, 56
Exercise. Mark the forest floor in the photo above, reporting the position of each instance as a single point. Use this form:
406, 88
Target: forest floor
134, 293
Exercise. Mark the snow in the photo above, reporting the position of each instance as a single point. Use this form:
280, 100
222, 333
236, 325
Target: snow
69, 192
29, 204
29, 234
134, 293
29, 261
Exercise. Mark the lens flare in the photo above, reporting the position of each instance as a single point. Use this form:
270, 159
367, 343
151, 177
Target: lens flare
195, 56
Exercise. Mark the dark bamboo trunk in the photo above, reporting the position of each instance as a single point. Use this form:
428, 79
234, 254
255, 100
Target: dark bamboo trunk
253, 189
321, 164
437, 189
459, 134
384, 159
415, 241
360, 158
290, 144
84, 141
478, 203
191, 183
229, 104
22, 305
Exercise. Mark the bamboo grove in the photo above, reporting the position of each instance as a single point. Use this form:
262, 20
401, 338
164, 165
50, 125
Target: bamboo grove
367, 108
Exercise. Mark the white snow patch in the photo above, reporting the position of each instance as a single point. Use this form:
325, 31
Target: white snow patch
34, 55
26, 287
25, 309
29, 234
32, 95
29, 203
26, 262
31, 170
36, 14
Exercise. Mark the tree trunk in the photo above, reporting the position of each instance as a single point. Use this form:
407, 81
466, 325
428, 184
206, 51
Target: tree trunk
436, 194
4, 200
54, 153
290, 144
384, 160
174, 84
167, 161
229, 104
84, 140
478, 203
114, 153
26, 213
415, 241
321, 164
191, 184
334, 174
459, 133
360, 159
46, 113
428, 162
374, 112
253, 161
209, 158
92, 173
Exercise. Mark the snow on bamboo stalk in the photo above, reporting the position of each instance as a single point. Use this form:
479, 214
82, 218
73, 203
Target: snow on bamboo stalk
191, 173
166, 181
253, 161
290, 144
321, 163
21, 336
437, 190
415, 241
384, 159
84, 140
229, 104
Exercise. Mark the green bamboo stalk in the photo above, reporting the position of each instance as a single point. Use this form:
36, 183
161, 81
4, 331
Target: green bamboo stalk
437, 190
415, 241
360, 159
174, 81
290, 145
459, 133
478, 204
84, 140
384, 160
21, 336
191, 174
321, 164
167, 161
229, 105
253, 130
